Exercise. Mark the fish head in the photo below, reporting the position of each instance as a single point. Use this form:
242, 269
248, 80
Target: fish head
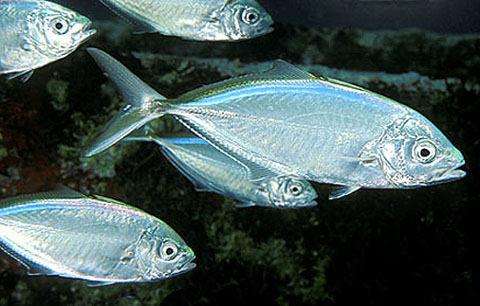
162, 253
243, 19
289, 192
57, 31
416, 153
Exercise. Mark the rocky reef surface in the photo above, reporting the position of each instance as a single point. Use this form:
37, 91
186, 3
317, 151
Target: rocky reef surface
376, 247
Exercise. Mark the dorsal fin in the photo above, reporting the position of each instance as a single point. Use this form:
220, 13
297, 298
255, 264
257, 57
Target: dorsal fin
60, 192
281, 71
110, 200
286, 70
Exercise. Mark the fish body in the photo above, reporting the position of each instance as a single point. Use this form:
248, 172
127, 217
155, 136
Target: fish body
211, 170
97, 239
218, 20
36, 33
296, 124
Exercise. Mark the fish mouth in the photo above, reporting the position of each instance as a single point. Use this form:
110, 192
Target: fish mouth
266, 31
185, 264
185, 267
263, 28
266, 28
87, 32
451, 174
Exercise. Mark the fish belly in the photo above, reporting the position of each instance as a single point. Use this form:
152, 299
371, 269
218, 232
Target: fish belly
306, 133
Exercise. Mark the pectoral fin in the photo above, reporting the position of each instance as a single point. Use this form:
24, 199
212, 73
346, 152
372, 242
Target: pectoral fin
366, 160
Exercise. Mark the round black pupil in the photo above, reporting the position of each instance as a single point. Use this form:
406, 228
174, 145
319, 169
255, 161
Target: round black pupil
169, 251
424, 152
294, 189
59, 25
251, 17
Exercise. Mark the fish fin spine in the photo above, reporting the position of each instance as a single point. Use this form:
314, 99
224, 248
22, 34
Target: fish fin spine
24, 75
245, 205
342, 191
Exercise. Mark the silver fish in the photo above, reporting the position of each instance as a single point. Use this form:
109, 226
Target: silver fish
219, 20
294, 123
35, 33
97, 239
211, 170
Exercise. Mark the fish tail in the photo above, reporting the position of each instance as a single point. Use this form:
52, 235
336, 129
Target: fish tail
143, 104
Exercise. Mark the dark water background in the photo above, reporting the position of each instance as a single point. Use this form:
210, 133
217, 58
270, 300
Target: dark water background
446, 16
375, 247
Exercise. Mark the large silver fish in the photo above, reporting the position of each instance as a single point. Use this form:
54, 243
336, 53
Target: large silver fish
294, 123
211, 170
35, 33
197, 19
97, 239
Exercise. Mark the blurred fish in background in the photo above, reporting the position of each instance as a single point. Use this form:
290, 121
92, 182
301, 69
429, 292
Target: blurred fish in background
35, 33
218, 20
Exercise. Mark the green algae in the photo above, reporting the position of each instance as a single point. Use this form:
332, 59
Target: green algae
58, 89
3, 150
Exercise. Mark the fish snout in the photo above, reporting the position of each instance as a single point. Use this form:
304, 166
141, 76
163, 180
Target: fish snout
456, 159
87, 31
185, 263
264, 27
443, 175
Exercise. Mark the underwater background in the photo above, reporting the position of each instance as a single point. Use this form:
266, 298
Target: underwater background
375, 247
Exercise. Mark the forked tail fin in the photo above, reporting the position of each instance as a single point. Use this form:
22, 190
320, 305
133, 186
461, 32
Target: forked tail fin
143, 103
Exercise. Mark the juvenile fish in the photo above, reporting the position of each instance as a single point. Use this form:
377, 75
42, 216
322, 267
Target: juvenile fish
293, 123
211, 170
222, 20
97, 239
35, 33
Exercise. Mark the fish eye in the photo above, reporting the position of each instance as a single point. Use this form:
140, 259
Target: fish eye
60, 25
250, 16
168, 250
424, 151
295, 189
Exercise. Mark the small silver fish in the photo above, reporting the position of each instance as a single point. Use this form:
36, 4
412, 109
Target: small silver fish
219, 20
97, 239
35, 33
211, 170
293, 123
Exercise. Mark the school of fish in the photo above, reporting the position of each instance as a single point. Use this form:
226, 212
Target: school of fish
259, 139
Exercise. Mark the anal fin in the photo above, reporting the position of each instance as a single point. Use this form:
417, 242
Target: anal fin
244, 205
24, 75
342, 191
